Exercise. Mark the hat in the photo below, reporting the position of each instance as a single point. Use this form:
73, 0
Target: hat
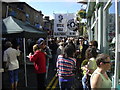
40, 41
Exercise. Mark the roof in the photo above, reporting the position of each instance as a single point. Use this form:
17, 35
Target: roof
12, 27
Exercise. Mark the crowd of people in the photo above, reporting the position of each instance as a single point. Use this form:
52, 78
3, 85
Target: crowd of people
70, 57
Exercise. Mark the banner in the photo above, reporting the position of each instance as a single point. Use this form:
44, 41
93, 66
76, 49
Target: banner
64, 25
71, 24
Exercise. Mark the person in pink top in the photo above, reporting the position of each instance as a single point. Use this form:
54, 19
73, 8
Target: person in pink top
39, 59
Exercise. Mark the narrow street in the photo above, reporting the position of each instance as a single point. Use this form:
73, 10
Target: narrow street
88, 25
31, 78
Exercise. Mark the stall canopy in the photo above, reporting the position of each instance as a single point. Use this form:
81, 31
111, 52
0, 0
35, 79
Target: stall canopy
12, 27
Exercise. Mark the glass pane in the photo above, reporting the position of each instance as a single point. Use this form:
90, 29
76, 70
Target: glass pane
110, 31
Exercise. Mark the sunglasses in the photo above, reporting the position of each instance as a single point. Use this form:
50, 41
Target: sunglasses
90, 45
106, 62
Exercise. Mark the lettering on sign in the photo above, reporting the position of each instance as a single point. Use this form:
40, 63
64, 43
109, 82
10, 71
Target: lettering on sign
60, 29
60, 25
60, 17
60, 33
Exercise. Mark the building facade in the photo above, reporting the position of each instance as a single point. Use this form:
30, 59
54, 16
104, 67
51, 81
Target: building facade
24, 12
103, 24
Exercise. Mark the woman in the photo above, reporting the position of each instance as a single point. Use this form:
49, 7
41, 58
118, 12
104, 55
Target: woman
39, 59
99, 78
65, 67
88, 67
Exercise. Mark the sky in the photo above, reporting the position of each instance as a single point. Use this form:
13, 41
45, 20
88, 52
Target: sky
48, 8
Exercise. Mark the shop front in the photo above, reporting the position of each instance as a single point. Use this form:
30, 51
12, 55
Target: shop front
111, 30
104, 26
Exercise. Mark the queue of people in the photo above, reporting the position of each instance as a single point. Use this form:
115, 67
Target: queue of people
71, 57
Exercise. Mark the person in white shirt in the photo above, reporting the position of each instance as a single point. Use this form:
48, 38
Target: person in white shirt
12, 64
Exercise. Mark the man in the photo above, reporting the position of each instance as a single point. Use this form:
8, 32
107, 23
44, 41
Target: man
12, 64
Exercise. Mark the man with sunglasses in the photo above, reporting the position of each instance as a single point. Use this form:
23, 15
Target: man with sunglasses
94, 44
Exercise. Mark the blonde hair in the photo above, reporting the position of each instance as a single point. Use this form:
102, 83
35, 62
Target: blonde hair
35, 47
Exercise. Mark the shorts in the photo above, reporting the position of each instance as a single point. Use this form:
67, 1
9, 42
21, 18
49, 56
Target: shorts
13, 75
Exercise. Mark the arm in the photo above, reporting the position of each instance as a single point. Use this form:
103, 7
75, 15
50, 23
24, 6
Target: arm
5, 57
18, 51
84, 68
48, 53
96, 81
34, 57
5, 60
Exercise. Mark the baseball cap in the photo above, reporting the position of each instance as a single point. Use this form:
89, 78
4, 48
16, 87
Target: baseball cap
40, 41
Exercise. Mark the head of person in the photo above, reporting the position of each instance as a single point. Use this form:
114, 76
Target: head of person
91, 53
81, 40
35, 47
69, 51
61, 43
93, 43
103, 61
41, 43
8, 44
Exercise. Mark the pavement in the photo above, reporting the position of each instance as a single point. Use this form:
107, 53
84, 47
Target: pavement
51, 82
31, 78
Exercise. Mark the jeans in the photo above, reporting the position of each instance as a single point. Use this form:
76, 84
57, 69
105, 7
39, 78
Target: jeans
84, 80
66, 83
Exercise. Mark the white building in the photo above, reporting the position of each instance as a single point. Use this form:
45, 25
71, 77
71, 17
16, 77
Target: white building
103, 24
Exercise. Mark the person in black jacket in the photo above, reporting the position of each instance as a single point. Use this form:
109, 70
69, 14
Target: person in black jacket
80, 54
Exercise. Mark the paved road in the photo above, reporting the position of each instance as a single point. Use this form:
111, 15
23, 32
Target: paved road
51, 82
31, 78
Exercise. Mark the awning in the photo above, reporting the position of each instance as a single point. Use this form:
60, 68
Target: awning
12, 27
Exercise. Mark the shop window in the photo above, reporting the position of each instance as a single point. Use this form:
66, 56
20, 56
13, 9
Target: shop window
20, 6
37, 25
27, 18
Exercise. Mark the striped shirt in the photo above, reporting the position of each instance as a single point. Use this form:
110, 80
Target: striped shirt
65, 66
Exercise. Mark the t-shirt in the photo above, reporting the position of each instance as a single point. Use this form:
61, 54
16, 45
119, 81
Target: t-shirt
65, 66
10, 56
106, 83
92, 64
